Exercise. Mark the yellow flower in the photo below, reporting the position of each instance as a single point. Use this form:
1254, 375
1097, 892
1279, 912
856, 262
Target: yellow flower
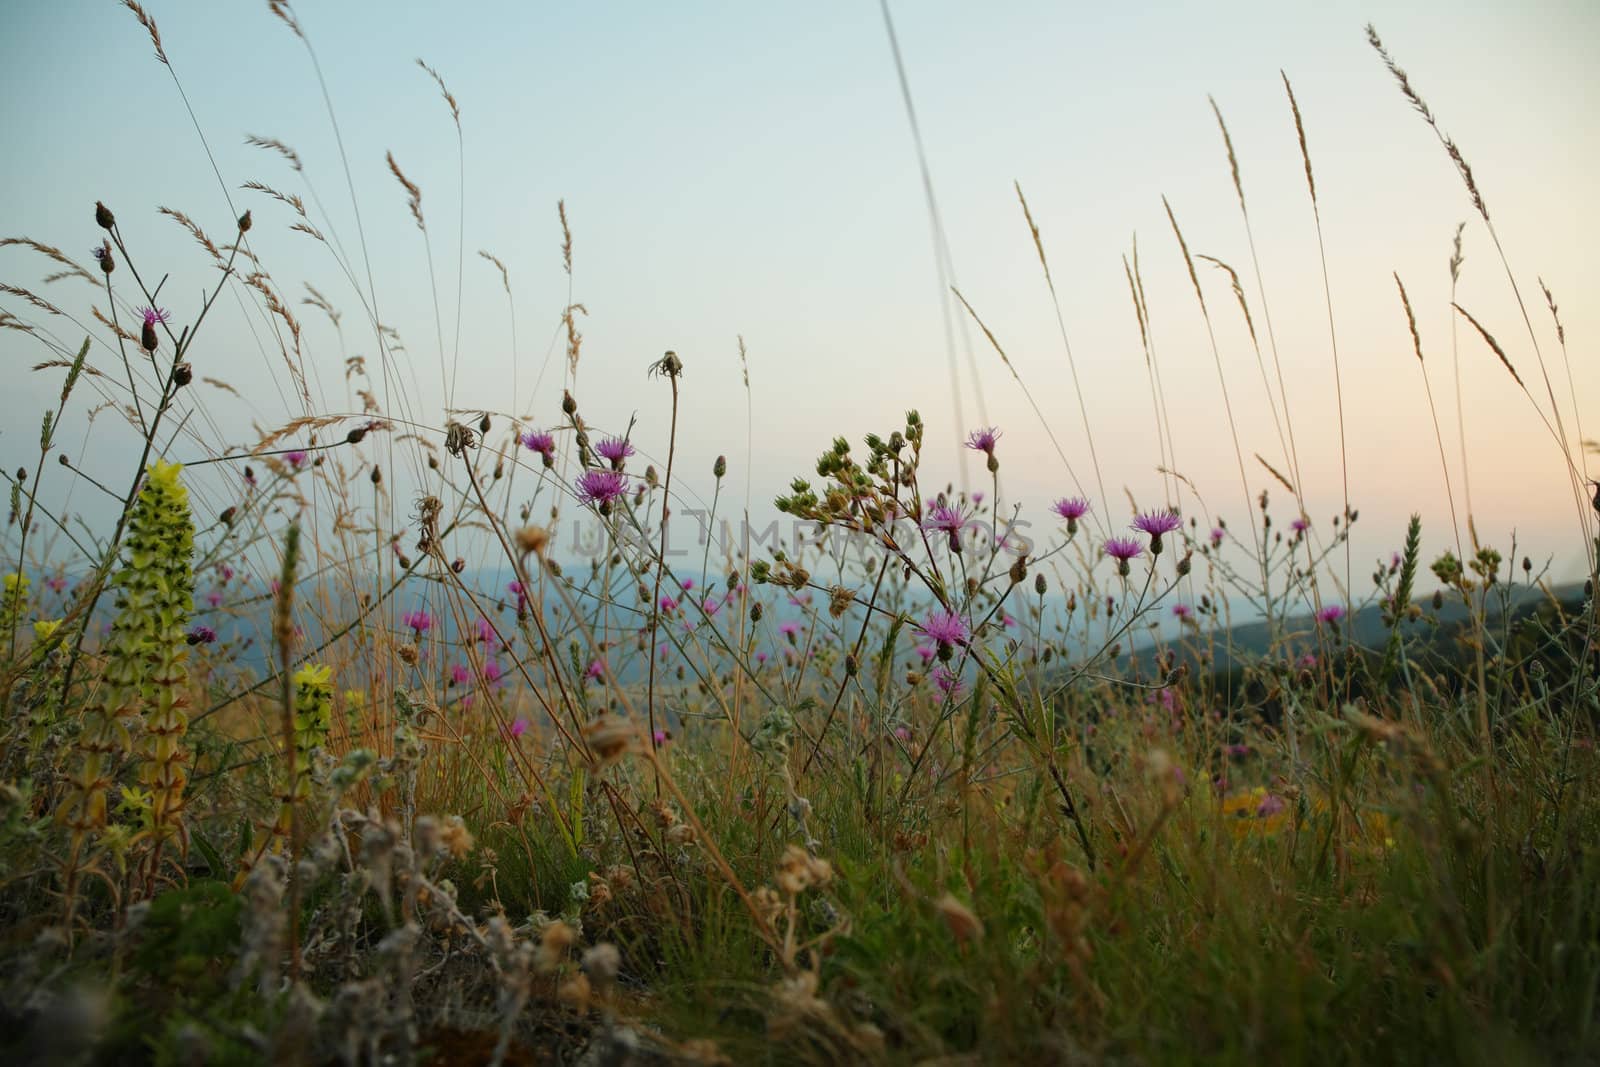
313, 674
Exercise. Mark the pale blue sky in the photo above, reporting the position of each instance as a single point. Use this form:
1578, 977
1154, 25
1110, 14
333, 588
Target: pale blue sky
747, 169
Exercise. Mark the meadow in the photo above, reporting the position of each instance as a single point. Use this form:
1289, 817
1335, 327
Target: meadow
404, 733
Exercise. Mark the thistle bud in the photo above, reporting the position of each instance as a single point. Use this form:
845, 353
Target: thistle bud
1019, 570
568, 405
458, 565
147, 336
182, 375
483, 423
103, 216
244, 222
755, 612
226, 517
377, 474
433, 463
108, 262
851, 667
355, 436
720, 467
1185, 563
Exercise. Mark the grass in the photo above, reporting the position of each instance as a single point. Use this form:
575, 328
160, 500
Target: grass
364, 770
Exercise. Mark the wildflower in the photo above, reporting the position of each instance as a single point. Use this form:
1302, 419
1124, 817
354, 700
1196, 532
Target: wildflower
983, 440
660, 737
518, 727
485, 630
712, 606
596, 671
761, 659
1071, 508
668, 604
493, 673
1330, 615
977, 496
147, 333
1217, 533
927, 652
459, 674
944, 517
1156, 523
1123, 549
946, 629
902, 733
1270, 805
419, 621
1183, 611
948, 681
542, 442
297, 458
600, 488
214, 599
1299, 525
201, 635
55, 583
790, 629
103, 256
614, 449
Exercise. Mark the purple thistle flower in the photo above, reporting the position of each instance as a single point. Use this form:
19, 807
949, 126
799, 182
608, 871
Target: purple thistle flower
297, 459
518, 727
790, 629
942, 517
1331, 614
1299, 525
927, 652
459, 674
1071, 508
614, 449
1217, 533
419, 621
596, 671
1123, 549
201, 635
983, 440
948, 681
1156, 523
668, 604
601, 487
1183, 611
152, 316
493, 673
1270, 805
214, 599
539, 441
946, 629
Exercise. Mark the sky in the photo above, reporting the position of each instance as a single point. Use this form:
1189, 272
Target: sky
747, 170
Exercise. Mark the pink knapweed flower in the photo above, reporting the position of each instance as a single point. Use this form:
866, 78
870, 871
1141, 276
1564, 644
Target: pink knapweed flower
614, 449
1331, 614
1156, 523
601, 487
1123, 549
297, 458
419, 621
983, 440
